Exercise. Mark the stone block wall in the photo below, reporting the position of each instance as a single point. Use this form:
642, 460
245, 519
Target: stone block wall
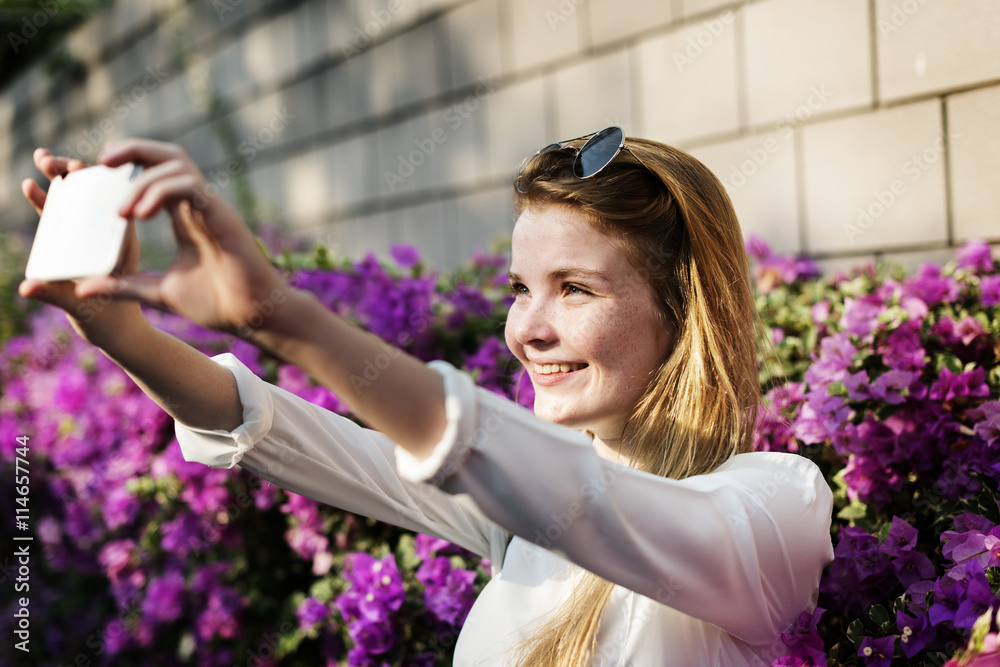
847, 129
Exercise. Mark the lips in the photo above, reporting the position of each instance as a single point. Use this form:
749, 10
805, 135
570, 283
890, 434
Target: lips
546, 375
563, 367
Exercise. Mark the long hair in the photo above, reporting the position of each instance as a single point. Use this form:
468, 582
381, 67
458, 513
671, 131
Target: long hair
672, 220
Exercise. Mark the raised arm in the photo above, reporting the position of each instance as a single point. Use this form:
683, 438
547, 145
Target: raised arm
184, 382
223, 281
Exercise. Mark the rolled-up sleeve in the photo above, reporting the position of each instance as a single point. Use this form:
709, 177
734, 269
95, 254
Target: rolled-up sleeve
314, 452
742, 548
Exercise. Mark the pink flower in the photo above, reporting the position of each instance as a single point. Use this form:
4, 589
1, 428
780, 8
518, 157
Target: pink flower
990, 287
975, 256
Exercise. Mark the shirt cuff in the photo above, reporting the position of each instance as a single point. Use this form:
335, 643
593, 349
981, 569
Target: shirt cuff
458, 439
224, 449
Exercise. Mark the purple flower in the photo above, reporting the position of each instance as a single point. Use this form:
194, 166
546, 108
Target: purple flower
120, 508
821, 311
975, 256
859, 575
821, 417
892, 386
310, 612
116, 637
467, 302
792, 661
857, 386
758, 248
877, 652
803, 640
903, 350
988, 422
949, 386
961, 596
930, 286
219, 617
835, 358
405, 255
449, 592
913, 566
975, 545
185, 534
969, 329
427, 547
861, 315
990, 288
488, 365
915, 632
902, 537
523, 392
116, 557
164, 598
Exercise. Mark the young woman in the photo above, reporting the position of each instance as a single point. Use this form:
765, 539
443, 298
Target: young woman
627, 520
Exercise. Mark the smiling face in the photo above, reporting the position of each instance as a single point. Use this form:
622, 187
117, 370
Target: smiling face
581, 305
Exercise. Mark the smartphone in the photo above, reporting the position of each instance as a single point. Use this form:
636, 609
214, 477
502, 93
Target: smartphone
80, 233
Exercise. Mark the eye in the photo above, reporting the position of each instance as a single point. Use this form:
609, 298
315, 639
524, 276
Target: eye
517, 289
570, 288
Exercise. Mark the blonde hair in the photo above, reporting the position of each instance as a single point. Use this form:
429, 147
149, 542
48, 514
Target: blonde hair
673, 221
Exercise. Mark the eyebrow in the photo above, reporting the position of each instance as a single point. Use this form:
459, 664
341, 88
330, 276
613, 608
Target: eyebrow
563, 273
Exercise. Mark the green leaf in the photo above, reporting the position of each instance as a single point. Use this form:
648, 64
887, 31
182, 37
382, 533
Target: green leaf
406, 553
878, 614
856, 510
856, 633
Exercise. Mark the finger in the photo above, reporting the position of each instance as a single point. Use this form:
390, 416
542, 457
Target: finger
144, 181
165, 191
58, 293
34, 194
130, 259
50, 165
193, 223
131, 288
144, 151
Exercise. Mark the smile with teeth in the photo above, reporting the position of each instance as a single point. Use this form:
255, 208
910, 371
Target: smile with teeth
546, 369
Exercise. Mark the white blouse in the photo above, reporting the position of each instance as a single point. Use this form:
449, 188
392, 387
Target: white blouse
709, 570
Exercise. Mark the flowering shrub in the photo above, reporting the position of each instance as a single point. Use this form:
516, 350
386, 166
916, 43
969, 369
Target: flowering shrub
142, 558
889, 382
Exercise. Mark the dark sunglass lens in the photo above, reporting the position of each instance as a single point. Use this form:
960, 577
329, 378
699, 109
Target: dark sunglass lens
599, 150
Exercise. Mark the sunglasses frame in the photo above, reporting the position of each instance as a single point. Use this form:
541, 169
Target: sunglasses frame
595, 137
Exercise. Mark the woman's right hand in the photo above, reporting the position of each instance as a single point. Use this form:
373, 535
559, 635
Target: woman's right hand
220, 279
98, 321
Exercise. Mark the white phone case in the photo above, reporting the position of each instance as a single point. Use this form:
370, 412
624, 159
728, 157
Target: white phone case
80, 233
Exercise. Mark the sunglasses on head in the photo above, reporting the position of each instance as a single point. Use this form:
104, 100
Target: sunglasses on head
591, 158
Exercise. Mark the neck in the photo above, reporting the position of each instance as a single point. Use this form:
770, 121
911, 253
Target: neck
610, 449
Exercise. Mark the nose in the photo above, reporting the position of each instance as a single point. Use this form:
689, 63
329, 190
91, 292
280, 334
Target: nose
531, 323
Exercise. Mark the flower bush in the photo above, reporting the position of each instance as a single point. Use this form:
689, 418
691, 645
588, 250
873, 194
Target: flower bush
888, 382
